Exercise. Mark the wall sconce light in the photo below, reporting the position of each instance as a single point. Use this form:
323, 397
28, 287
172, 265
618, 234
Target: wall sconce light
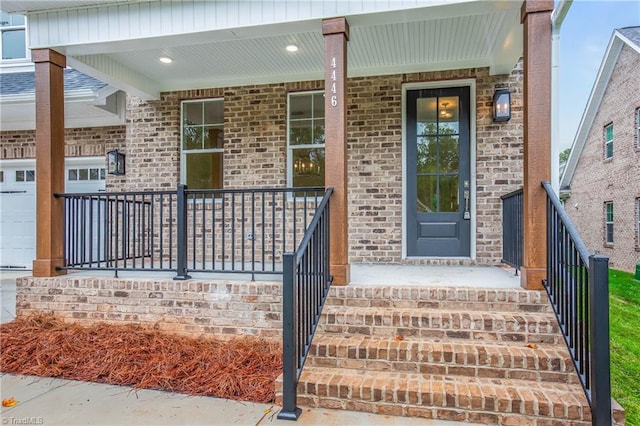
115, 162
501, 105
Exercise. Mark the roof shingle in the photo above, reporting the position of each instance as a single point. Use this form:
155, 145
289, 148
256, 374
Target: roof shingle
24, 82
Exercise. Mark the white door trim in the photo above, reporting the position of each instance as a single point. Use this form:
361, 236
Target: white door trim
471, 83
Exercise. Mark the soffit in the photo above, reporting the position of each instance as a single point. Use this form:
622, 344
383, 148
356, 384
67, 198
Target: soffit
459, 42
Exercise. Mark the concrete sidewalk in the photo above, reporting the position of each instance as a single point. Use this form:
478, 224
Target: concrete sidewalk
45, 401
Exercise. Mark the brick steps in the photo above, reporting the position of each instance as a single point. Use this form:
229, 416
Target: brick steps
480, 400
446, 298
453, 353
440, 324
500, 360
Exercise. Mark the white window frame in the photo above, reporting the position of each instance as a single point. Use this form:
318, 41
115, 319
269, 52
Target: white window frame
3, 29
27, 176
608, 223
608, 142
638, 127
183, 152
291, 148
638, 222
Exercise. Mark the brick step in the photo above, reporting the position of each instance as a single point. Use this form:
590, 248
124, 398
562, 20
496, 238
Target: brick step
427, 324
478, 400
494, 360
448, 298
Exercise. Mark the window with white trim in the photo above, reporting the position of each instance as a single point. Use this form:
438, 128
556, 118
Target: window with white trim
608, 141
305, 140
14, 39
608, 220
638, 127
203, 143
638, 221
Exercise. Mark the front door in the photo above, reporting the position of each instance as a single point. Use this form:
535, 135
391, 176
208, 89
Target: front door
438, 172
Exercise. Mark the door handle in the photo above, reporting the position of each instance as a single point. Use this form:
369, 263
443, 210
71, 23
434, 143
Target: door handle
466, 192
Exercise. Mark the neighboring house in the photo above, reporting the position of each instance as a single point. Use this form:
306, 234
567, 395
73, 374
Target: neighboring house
411, 119
603, 170
94, 118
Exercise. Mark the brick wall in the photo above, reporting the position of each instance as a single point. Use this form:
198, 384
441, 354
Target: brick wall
597, 180
18, 144
255, 152
255, 119
190, 307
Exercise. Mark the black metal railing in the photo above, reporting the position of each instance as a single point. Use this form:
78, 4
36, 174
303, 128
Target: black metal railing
578, 287
306, 283
231, 231
512, 229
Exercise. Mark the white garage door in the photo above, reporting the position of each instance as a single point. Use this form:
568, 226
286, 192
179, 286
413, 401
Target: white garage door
18, 203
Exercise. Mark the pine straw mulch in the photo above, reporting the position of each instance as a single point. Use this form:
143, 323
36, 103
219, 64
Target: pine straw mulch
42, 345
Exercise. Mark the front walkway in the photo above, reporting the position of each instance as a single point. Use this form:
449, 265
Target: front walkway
65, 402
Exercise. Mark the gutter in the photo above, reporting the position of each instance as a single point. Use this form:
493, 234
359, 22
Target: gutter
80, 95
557, 17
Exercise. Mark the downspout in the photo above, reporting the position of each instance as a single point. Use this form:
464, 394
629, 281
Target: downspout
557, 17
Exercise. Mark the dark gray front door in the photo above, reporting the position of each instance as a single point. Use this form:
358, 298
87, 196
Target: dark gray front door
438, 172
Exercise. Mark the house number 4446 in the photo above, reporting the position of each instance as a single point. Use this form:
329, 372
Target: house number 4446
334, 91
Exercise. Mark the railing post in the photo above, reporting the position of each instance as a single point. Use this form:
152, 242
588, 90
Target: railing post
600, 379
289, 358
181, 230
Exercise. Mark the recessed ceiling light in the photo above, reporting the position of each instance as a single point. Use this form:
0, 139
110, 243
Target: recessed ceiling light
292, 48
166, 60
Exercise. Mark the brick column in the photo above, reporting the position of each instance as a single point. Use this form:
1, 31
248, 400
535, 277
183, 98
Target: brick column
336, 35
49, 75
536, 18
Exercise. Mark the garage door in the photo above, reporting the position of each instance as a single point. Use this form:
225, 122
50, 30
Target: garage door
18, 204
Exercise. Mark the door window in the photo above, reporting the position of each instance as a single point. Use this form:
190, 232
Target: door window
438, 154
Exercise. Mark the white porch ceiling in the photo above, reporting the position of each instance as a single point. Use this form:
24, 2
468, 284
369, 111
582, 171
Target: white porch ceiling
438, 36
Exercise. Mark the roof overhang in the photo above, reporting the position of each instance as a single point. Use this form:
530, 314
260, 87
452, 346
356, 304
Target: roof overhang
83, 108
221, 44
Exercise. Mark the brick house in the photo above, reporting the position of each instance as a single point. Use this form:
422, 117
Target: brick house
603, 169
348, 134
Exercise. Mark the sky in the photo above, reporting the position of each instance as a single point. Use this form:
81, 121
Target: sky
584, 37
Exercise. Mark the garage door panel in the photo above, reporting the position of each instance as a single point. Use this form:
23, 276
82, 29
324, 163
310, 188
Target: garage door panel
18, 207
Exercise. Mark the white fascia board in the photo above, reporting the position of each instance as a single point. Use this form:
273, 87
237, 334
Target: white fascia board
117, 75
82, 95
24, 66
593, 105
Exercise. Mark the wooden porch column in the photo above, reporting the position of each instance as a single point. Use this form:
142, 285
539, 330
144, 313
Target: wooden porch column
336, 35
49, 74
536, 19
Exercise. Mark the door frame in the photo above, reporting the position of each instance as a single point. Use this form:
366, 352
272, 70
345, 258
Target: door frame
471, 84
